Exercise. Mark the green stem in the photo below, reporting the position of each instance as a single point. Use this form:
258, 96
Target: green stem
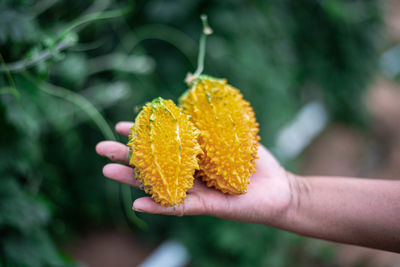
202, 47
12, 89
43, 56
164, 33
78, 100
63, 41
126, 200
92, 17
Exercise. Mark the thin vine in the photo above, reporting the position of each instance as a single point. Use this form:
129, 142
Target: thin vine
202, 51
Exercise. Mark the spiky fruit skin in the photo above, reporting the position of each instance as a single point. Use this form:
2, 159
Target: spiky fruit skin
163, 149
228, 133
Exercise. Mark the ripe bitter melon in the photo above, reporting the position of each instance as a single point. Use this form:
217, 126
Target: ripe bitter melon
163, 150
228, 133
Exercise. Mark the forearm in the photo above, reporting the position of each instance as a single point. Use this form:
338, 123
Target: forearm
364, 212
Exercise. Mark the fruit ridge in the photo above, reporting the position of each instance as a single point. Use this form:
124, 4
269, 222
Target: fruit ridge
163, 149
228, 133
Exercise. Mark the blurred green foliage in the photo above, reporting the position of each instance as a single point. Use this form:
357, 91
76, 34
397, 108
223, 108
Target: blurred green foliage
70, 69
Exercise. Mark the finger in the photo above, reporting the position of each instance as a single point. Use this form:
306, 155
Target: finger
121, 173
198, 186
114, 151
265, 161
124, 127
192, 206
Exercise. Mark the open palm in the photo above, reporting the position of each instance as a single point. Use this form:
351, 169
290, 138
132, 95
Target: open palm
267, 198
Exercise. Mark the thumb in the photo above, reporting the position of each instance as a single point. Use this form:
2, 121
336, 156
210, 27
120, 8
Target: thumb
191, 206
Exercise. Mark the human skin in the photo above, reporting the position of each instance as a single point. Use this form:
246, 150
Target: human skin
364, 212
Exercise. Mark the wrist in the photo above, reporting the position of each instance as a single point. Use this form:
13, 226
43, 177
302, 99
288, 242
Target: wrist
300, 190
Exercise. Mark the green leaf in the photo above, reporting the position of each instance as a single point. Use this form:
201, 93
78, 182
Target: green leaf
33, 249
19, 209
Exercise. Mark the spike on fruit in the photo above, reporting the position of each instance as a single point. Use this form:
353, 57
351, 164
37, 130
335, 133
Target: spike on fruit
164, 148
228, 133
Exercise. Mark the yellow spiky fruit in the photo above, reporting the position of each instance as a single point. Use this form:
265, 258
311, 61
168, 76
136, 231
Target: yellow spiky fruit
163, 149
228, 133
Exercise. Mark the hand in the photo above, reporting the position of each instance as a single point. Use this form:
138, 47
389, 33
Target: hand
267, 199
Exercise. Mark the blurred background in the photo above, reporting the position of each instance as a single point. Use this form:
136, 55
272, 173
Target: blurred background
322, 76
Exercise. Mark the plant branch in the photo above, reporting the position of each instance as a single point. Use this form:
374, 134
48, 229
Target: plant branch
44, 55
12, 89
63, 41
92, 17
79, 101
